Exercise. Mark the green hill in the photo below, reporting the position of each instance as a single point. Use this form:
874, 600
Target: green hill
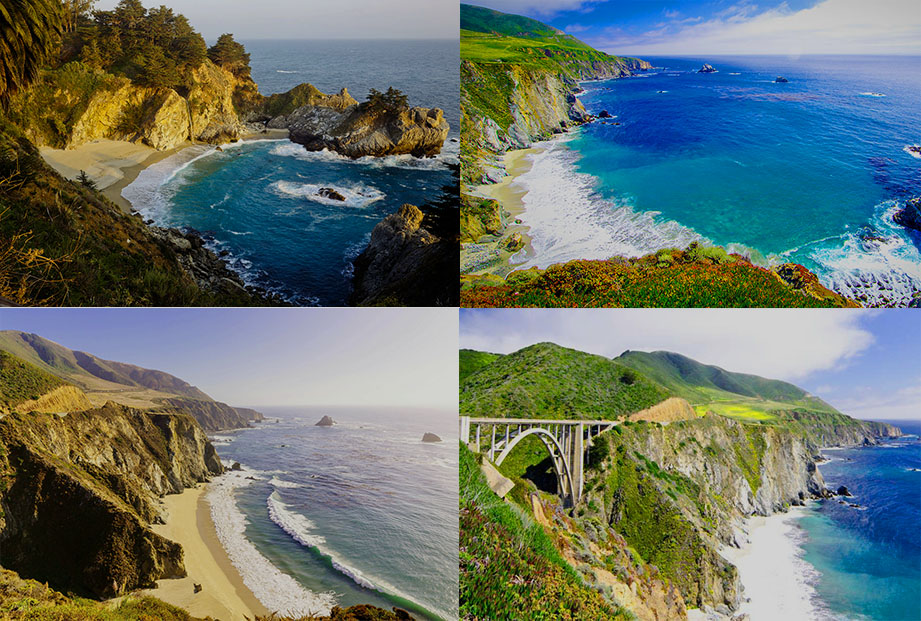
472, 361
538, 382
21, 381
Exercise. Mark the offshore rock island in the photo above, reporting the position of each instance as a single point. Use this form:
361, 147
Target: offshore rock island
127, 88
520, 84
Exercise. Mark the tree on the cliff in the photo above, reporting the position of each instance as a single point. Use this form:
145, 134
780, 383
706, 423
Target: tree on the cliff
73, 11
230, 55
156, 70
30, 33
392, 102
90, 55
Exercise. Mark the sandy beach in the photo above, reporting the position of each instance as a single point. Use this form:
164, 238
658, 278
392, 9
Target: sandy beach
114, 164
777, 581
510, 196
223, 595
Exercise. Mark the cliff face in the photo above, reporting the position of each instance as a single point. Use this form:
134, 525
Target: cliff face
678, 492
60, 399
214, 415
80, 491
101, 106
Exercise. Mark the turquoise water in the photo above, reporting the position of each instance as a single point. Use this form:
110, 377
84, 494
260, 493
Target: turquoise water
869, 560
256, 203
808, 171
359, 513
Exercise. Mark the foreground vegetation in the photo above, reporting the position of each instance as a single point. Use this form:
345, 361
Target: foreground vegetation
509, 567
696, 277
21, 381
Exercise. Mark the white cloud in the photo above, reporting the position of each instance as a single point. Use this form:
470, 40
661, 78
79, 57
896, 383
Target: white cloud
873, 405
541, 8
775, 343
829, 27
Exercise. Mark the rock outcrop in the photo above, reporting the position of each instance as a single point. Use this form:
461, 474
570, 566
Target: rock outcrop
209, 271
326, 421
430, 437
909, 216
60, 399
358, 131
707, 68
81, 490
405, 264
212, 415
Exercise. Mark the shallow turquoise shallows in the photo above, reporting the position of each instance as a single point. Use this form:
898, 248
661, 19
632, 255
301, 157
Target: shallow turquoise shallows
362, 512
809, 170
256, 203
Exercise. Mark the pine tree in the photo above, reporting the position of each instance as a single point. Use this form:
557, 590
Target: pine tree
229, 54
90, 55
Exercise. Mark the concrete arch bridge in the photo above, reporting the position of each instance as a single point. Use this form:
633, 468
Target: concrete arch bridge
567, 441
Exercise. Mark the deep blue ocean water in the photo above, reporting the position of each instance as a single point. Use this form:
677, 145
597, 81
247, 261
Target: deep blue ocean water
869, 560
257, 201
362, 512
808, 171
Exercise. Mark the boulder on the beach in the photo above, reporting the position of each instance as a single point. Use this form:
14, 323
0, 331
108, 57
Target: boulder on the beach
330, 194
236, 466
196, 587
843, 491
326, 421
430, 437
780, 79
707, 69
514, 242
909, 216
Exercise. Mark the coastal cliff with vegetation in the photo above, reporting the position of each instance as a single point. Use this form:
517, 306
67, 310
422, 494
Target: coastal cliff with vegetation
73, 76
520, 81
662, 496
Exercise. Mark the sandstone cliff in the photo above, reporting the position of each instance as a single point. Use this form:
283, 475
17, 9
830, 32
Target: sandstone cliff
80, 491
81, 105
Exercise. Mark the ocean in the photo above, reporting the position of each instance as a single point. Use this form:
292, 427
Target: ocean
359, 513
867, 560
809, 171
255, 202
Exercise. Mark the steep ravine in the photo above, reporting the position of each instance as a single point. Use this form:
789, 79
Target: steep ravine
79, 491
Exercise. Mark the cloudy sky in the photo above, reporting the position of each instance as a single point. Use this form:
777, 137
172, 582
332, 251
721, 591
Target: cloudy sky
316, 19
865, 363
263, 357
695, 27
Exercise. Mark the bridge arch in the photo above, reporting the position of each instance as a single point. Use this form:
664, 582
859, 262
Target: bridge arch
561, 464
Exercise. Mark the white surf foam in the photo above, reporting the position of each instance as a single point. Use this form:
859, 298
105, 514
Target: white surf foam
283, 71
276, 590
777, 580
276, 482
568, 219
447, 157
356, 195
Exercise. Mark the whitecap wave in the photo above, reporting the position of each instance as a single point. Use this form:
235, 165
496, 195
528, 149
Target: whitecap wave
447, 157
275, 589
356, 195
276, 482
869, 94
568, 219
284, 71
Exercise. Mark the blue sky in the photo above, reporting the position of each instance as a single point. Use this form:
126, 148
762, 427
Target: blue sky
695, 27
867, 363
262, 357
316, 19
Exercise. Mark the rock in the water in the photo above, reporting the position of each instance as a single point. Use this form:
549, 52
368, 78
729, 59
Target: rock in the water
706, 69
514, 243
236, 466
604, 114
843, 491
330, 194
326, 421
430, 437
909, 216
780, 79
404, 264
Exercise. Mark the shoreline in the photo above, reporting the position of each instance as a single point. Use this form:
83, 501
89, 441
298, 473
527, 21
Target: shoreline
511, 200
223, 594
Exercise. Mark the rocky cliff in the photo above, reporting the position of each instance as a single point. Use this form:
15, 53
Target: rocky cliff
79, 492
213, 415
81, 105
405, 264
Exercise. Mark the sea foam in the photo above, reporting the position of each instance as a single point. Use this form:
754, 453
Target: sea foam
356, 195
276, 590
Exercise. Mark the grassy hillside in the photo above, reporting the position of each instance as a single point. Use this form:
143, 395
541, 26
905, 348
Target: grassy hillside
472, 361
509, 567
537, 382
21, 381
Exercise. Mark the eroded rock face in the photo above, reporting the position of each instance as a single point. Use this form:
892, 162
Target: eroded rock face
707, 69
358, 132
326, 421
404, 264
909, 216
83, 490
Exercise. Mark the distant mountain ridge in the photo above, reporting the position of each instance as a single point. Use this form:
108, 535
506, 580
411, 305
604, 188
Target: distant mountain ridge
136, 386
